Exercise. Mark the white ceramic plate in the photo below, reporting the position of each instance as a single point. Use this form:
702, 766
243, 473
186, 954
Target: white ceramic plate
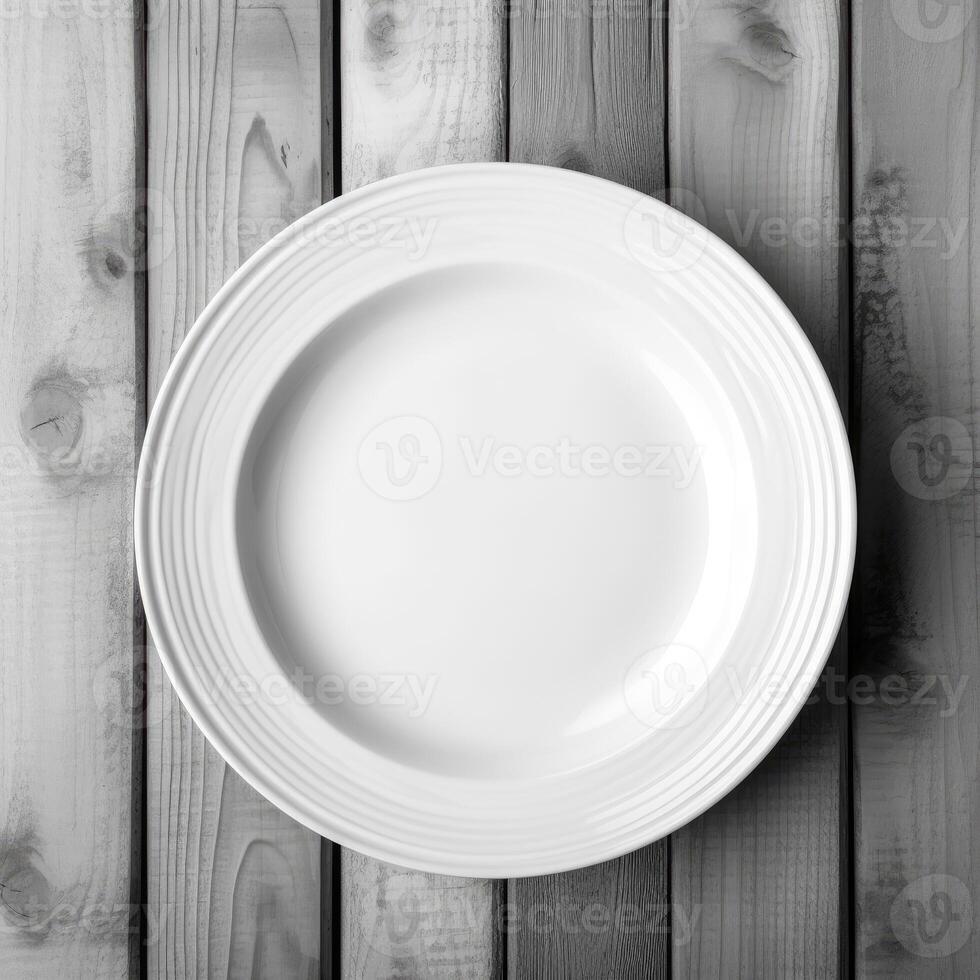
495, 520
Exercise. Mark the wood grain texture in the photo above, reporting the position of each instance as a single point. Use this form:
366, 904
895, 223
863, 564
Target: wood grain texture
587, 84
755, 154
403, 923
917, 731
71, 340
587, 90
422, 85
234, 156
610, 921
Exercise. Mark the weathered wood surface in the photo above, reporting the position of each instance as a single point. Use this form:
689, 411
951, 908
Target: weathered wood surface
234, 156
587, 93
71, 395
403, 923
237, 113
755, 153
422, 85
610, 920
587, 90
916, 729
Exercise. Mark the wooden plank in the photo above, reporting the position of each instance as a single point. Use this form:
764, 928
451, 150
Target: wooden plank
609, 920
587, 90
916, 741
421, 86
234, 106
402, 923
587, 93
71, 395
755, 149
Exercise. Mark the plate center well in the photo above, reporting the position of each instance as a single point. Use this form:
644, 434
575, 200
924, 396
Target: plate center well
467, 511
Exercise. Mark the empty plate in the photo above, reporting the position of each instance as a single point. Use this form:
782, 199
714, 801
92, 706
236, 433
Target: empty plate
495, 520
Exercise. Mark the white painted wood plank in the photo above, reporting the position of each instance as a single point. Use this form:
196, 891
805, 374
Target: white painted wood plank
755, 153
587, 86
234, 136
70, 417
422, 85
